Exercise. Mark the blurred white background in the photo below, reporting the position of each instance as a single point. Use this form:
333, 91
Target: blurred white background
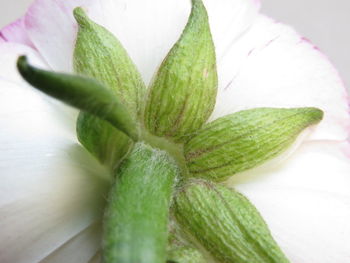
325, 22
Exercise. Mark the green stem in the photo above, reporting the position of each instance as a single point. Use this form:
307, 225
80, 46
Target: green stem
83, 93
136, 219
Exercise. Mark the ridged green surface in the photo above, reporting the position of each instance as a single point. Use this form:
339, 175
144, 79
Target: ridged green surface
225, 224
102, 140
185, 255
183, 94
100, 55
180, 250
245, 139
136, 219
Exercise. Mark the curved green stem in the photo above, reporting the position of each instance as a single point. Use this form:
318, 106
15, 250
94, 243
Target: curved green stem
136, 219
83, 93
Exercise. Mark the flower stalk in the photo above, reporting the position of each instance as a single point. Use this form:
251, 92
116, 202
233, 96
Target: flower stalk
136, 218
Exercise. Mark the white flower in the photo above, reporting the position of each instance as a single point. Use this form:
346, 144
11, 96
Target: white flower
52, 191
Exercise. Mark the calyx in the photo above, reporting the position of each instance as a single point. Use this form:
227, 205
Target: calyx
162, 137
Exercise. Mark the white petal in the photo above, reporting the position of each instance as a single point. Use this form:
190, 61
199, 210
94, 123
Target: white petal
79, 249
52, 29
25, 111
8, 71
309, 226
306, 202
147, 29
50, 188
319, 166
229, 19
272, 66
8, 58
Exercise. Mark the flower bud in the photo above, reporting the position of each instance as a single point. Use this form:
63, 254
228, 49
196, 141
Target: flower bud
136, 217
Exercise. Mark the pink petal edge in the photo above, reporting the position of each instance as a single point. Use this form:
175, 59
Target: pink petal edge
341, 81
16, 33
327, 58
51, 27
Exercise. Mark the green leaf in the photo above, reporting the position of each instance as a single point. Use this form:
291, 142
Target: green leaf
225, 224
83, 93
98, 54
245, 139
183, 94
136, 219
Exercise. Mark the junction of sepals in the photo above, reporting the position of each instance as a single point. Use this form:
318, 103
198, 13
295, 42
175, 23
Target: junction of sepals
151, 138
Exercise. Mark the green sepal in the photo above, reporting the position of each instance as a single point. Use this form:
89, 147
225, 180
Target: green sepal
180, 250
136, 218
98, 54
185, 254
225, 224
102, 140
245, 139
83, 93
183, 93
